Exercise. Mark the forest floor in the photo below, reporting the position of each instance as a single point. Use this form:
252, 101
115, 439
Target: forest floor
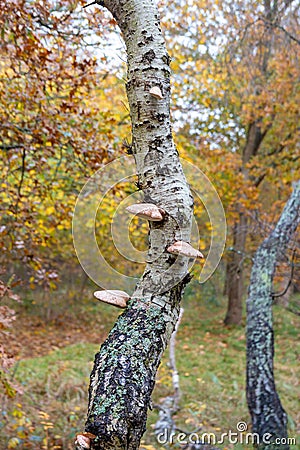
55, 346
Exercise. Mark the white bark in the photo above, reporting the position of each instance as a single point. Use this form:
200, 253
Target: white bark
124, 371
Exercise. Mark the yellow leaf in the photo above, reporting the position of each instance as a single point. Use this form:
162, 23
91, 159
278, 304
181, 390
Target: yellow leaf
17, 413
49, 210
21, 434
13, 442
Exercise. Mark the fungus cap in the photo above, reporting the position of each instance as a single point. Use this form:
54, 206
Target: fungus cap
113, 297
83, 441
184, 249
156, 92
147, 211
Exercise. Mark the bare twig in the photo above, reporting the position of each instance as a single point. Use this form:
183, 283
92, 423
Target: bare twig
291, 36
21, 179
282, 293
96, 2
10, 147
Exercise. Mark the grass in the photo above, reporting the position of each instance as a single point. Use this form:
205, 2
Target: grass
211, 361
53, 404
211, 364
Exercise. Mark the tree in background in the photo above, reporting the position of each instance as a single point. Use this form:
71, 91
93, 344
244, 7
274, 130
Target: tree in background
271, 137
235, 69
269, 419
236, 92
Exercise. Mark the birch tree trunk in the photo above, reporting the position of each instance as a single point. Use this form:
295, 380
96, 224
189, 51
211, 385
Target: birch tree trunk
124, 370
268, 416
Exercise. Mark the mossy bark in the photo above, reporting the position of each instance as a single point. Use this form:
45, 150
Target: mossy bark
269, 419
124, 371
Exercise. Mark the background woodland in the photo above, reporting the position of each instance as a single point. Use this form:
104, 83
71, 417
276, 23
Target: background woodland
64, 115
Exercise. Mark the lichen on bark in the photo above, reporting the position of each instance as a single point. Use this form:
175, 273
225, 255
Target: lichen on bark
122, 379
268, 416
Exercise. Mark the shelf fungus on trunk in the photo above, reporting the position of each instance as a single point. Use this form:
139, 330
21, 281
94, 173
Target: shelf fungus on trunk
147, 211
156, 92
184, 249
113, 297
83, 440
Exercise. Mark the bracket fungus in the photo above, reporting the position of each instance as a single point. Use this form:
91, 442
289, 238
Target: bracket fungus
147, 211
184, 249
156, 92
83, 441
113, 297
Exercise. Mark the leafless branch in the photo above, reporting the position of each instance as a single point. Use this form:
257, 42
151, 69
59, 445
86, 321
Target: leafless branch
11, 147
282, 293
291, 36
21, 179
96, 2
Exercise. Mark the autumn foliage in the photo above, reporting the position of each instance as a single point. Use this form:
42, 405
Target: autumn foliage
63, 115
57, 127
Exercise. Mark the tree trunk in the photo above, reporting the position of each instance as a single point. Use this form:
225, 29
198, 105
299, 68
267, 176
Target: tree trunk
254, 139
124, 370
268, 417
235, 273
235, 285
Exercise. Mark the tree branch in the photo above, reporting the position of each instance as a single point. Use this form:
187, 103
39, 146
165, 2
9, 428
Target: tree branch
282, 293
21, 179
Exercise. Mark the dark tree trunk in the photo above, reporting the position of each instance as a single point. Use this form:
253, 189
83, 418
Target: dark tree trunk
254, 139
268, 416
235, 273
124, 371
235, 284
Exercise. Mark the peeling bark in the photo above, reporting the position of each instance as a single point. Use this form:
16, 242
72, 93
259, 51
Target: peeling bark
267, 413
124, 370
